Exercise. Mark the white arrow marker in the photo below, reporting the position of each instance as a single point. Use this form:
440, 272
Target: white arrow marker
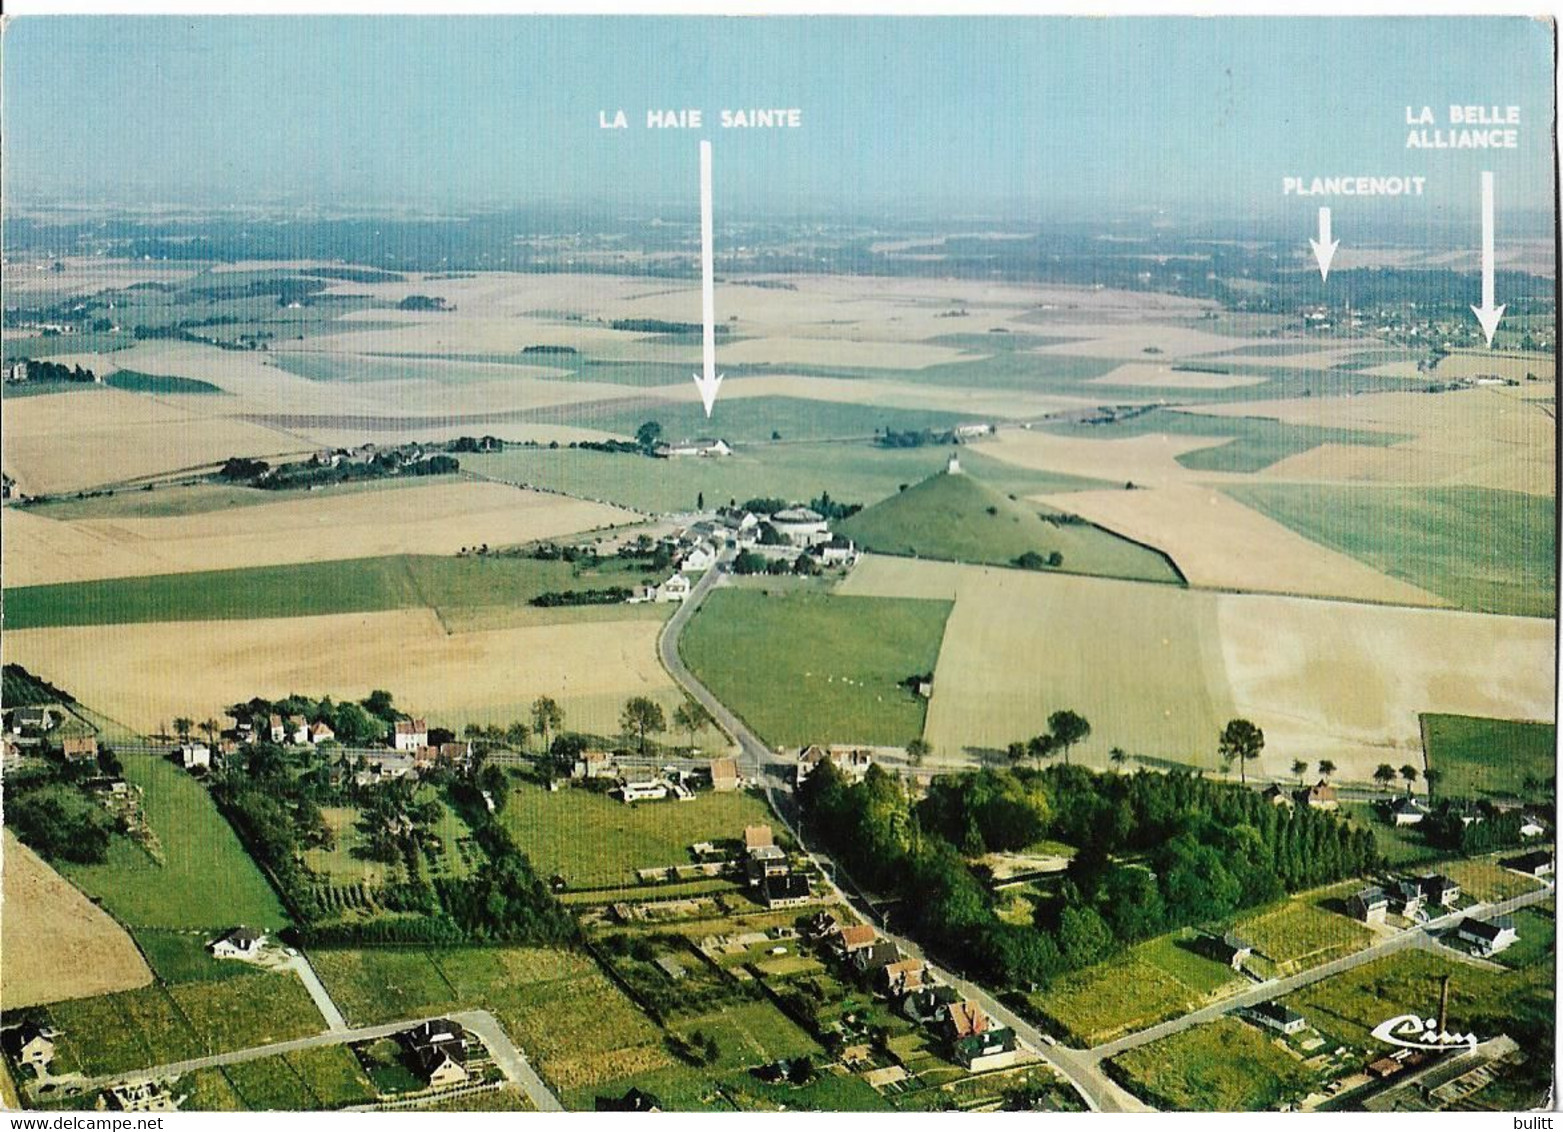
1324, 247
1487, 314
710, 381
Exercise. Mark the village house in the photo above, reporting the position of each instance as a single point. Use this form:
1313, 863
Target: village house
738, 526
976, 1042
900, 977
194, 755
30, 1044
438, 1050
1486, 937
1440, 891
648, 790
240, 943
409, 734
972, 431
594, 764
701, 556
699, 446
276, 729
724, 775
1227, 949
854, 938
929, 1005
837, 551
1531, 826
1370, 905
1282, 1019
821, 926
879, 954
787, 890
1406, 897
1320, 796
675, 588
1276, 796
852, 762
139, 1096
320, 733
1537, 863
31, 717
298, 730
1407, 811
79, 748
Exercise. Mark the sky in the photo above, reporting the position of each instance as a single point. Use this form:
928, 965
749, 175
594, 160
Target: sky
1064, 117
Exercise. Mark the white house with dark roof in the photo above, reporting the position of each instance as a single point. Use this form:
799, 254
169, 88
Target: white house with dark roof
1486, 937
240, 943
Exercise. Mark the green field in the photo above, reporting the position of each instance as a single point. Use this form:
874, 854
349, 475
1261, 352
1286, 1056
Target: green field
157, 1025
462, 588
1150, 982
345, 865
1224, 1066
960, 518
594, 841
1348, 1006
1537, 928
1298, 933
205, 878
1478, 758
1484, 550
134, 382
1252, 443
309, 1080
1484, 879
183, 957
1401, 846
801, 666
850, 472
161, 501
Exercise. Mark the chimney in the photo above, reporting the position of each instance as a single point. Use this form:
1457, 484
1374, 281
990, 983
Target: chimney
1443, 1006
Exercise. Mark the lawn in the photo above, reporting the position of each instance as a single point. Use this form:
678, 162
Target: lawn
269, 1084
183, 957
309, 1080
801, 666
751, 1034
1482, 878
1298, 933
856, 472
1174, 955
1225, 1066
1401, 845
961, 518
156, 1025
358, 585
208, 1090
1537, 930
594, 841
382, 985
205, 878
1489, 757
1119, 996
1482, 549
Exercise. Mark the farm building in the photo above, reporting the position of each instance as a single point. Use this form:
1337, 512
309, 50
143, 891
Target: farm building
438, 1049
31, 718
79, 748
1407, 811
856, 937
409, 734
649, 790
1229, 949
1276, 796
298, 730
785, 891
724, 775
1278, 1017
194, 755
1486, 937
1369, 905
1320, 796
1440, 890
852, 762
701, 556
30, 1044
594, 764
1537, 863
758, 837
240, 943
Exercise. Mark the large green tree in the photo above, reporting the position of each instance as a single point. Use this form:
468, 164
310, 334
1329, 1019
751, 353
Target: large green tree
642, 717
1068, 728
1241, 741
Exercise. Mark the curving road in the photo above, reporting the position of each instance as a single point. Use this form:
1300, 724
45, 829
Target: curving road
771, 771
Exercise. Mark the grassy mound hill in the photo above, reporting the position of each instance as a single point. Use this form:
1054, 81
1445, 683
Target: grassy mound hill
957, 518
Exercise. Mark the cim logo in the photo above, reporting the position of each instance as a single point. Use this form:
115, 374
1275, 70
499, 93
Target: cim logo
1411, 1032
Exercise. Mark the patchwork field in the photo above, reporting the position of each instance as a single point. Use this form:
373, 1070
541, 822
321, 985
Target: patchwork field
54, 942
1219, 543
482, 676
1141, 662
1300, 932
1489, 757
803, 666
438, 518
594, 841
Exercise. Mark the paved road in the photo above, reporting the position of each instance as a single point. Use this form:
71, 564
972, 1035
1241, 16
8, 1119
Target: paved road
510, 1060
1419, 937
299, 965
759, 764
